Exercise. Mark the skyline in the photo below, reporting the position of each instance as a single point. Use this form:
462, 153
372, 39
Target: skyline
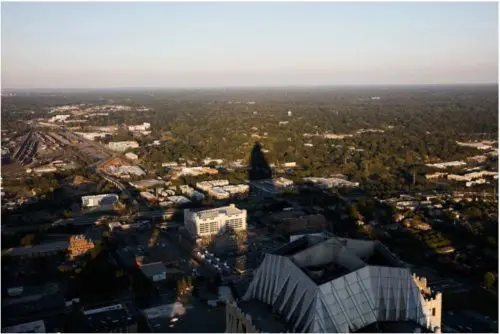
189, 45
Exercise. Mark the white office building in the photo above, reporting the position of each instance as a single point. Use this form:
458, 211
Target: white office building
210, 222
97, 200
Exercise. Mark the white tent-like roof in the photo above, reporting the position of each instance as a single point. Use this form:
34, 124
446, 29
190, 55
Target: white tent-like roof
337, 285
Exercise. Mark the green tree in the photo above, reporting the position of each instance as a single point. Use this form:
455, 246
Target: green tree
489, 279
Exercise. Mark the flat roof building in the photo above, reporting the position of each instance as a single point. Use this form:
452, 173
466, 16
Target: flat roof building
113, 318
121, 146
98, 200
209, 222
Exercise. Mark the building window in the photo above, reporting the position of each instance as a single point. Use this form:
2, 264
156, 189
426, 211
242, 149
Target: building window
433, 311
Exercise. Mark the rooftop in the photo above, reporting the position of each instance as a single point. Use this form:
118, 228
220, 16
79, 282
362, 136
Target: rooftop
263, 317
152, 269
337, 285
105, 319
28, 327
324, 260
42, 248
212, 213
158, 316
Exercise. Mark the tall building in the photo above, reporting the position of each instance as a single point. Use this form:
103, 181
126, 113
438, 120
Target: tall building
209, 222
333, 285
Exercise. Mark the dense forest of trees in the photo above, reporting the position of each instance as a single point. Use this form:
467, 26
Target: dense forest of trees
420, 124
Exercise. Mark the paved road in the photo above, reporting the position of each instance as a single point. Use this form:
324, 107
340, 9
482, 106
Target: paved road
464, 322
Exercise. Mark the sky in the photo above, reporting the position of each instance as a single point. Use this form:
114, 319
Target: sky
162, 44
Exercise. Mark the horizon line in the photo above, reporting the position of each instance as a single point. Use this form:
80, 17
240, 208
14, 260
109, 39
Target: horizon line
127, 88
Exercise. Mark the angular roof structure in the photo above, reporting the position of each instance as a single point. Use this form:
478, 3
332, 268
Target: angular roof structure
337, 285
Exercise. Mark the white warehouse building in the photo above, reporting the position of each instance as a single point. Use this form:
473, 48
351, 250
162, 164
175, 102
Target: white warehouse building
97, 200
209, 222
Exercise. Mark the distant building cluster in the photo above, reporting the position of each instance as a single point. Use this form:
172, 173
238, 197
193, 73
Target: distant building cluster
207, 161
327, 183
483, 145
121, 146
93, 135
58, 118
125, 171
444, 165
141, 127
221, 189
201, 223
193, 171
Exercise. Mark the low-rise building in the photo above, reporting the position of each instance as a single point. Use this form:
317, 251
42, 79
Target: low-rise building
158, 317
141, 127
435, 176
148, 196
45, 169
218, 193
155, 271
201, 223
41, 250
131, 156
190, 192
207, 185
120, 318
169, 164
145, 184
99, 200
444, 165
121, 146
37, 326
178, 200
207, 161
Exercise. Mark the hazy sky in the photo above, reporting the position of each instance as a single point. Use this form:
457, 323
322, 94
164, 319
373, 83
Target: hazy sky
94, 45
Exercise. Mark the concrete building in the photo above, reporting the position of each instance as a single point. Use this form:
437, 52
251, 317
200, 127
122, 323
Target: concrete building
209, 222
169, 164
44, 169
37, 326
435, 176
154, 271
42, 250
58, 118
333, 182
99, 200
121, 318
131, 156
190, 192
141, 127
283, 183
218, 193
432, 301
92, 135
444, 165
291, 164
158, 317
121, 146
145, 184
336, 285
178, 200
207, 185
207, 161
